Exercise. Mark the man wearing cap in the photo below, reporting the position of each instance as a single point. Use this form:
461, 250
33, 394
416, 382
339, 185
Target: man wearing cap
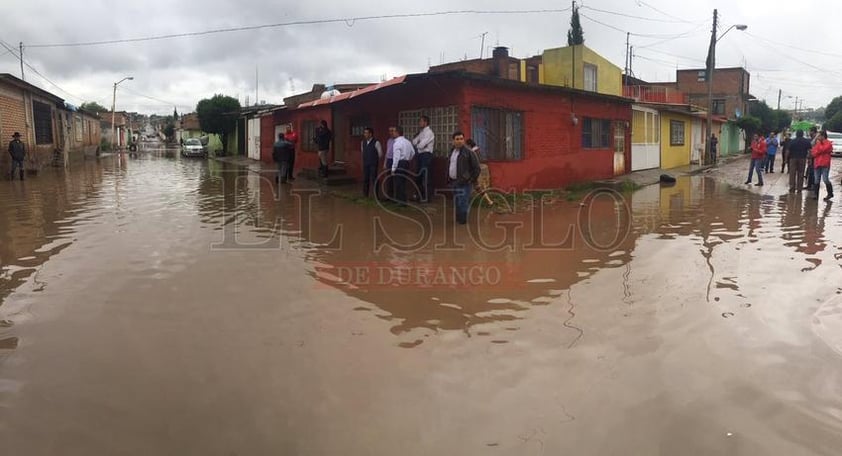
17, 150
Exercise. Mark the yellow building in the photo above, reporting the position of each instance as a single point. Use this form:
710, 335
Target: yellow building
676, 139
581, 68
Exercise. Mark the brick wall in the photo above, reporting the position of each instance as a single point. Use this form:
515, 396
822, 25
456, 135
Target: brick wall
12, 119
729, 84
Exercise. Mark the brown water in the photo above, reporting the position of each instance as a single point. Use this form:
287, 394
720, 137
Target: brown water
166, 306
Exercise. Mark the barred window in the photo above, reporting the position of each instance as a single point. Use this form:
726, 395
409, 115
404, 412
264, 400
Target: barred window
596, 133
43, 115
358, 125
443, 121
676, 133
308, 132
498, 133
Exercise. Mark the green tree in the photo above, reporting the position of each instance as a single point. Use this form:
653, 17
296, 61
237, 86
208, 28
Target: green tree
93, 106
169, 131
783, 120
219, 115
575, 35
835, 122
832, 108
750, 125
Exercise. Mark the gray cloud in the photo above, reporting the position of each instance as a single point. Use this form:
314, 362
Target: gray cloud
183, 70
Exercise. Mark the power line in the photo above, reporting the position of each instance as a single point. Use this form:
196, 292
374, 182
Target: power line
164, 102
641, 2
35, 70
778, 43
631, 16
642, 35
350, 21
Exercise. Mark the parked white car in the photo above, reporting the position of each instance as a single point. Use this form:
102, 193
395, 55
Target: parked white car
193, 148
836, 139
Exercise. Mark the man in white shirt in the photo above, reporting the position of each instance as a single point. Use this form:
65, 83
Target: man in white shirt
463, 173
402, 154
424, 143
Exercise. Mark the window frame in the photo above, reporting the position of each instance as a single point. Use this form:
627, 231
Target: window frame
673, 131
718, 102
444, 120
357, 125
595, 127
512, 139
308, 132
595, 81
41, 113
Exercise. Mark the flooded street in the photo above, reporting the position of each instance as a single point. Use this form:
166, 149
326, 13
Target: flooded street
158, 305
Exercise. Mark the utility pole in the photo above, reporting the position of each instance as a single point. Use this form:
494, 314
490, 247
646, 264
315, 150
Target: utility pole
626, 71
256, 85
631, 60
779, 99
711, 67
482, 46
113, 119
21, 62
573, 54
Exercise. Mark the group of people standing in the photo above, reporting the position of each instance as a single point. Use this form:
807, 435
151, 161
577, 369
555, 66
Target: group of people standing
398, 175
806, 158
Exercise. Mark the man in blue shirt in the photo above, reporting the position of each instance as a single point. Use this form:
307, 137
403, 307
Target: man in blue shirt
771, 150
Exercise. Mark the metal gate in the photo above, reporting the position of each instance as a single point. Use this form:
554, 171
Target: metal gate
253, 135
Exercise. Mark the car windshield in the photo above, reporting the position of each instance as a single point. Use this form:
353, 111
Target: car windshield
193, 142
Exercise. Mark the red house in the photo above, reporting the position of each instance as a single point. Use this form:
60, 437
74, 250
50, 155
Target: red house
530, 136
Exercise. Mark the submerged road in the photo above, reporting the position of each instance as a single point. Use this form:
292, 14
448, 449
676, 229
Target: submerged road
158, 305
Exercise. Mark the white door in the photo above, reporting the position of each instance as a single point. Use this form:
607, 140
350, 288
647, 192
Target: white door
697, 144
253, 134
646, 139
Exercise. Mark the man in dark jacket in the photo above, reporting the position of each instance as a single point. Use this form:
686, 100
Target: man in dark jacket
463, 173
322, 139
799, 148
282, 152
371, 154
17, 150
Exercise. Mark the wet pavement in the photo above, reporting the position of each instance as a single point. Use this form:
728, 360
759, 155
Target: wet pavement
157, 305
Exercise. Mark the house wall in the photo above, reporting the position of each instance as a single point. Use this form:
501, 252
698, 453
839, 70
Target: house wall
678, 155
297, 117
558, 68
16, 115
552, 155
729, 84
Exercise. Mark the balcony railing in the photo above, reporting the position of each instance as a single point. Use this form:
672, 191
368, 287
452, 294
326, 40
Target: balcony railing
655, 94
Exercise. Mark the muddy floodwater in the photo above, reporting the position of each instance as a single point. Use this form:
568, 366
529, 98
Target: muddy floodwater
160, 306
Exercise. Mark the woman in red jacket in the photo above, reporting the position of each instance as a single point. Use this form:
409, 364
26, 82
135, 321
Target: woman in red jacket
758, 159
821, 162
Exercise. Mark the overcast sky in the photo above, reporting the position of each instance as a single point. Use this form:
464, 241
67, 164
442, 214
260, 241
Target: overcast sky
180, 71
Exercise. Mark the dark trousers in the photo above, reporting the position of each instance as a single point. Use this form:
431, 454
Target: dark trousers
283, 171
823, 175
462, 201
796, 173
17, 164
387, 184
289, 173
369, 178
784, 161
425, 160
770, 163
401, 178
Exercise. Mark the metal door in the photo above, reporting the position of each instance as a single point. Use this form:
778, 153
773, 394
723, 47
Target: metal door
254, 138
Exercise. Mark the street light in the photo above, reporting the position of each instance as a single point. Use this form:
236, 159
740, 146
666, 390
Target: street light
114, 106
711, 65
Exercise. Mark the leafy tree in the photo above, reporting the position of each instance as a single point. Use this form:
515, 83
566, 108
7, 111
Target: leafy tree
219, 115
93, 106
575, 35
169, 131
835, 122
750, 125
175, 113
834, 107
783, 120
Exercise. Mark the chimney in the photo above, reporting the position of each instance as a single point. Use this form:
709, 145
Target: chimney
500, 56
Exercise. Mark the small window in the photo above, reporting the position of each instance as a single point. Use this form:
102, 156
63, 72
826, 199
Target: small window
358, 124
532, 74
498, 133
308, 133
43, 115
590, 77
701, 76
596, 133
676, 133
719, 107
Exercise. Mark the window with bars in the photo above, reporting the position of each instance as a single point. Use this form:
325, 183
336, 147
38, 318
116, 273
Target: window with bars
43, 115
676, 133
498, 133
443, 121
596, 133
358, 125
308, 132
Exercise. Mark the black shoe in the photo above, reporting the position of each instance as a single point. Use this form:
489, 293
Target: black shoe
759, 184
747, 183
828, 197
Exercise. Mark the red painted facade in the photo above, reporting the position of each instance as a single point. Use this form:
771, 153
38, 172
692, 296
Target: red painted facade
552, 153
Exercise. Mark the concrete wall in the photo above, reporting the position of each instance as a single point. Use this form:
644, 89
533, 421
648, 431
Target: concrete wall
560, 63
678, 155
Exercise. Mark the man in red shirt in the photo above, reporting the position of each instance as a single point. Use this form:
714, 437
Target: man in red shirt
292, 137
821, 162
758, 159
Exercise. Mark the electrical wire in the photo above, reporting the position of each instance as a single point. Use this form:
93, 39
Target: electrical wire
642, 35
631, 16
347, 21
641, 2
778, 43
163, 102
35, 70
